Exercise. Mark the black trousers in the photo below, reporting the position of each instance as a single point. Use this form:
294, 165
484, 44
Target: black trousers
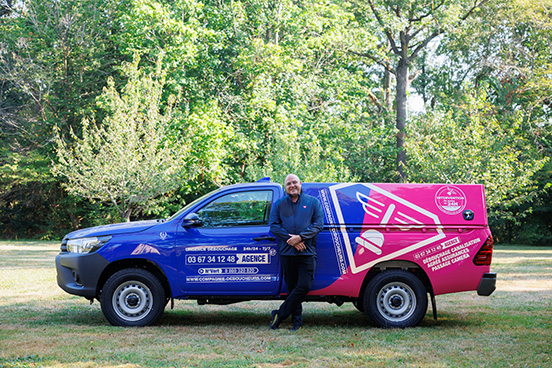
298, 273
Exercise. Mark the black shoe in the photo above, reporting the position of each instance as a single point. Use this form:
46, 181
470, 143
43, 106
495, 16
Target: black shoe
296, 328
275, 321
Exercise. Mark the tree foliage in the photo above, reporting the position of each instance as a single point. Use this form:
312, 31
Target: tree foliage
127, 160
499, 66
471, 145
55, 57
226, 92
401, 31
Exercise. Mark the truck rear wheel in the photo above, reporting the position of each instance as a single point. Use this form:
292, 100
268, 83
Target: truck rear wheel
359, 304
133, 297
395, 299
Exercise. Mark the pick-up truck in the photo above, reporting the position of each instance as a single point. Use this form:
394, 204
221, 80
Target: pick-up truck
384, 247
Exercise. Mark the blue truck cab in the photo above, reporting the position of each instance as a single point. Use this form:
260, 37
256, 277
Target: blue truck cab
219, 250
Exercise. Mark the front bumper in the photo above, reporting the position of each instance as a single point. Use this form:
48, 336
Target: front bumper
78, 274
487, 284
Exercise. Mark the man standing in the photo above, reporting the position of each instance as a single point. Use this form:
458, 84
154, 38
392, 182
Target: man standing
296, 221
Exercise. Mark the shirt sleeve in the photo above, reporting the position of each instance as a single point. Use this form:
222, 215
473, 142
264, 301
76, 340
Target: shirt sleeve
317, 223
275, 223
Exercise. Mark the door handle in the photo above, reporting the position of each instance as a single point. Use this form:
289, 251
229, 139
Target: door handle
265, 237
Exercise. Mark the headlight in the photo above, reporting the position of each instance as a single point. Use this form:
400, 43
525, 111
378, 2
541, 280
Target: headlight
86, 245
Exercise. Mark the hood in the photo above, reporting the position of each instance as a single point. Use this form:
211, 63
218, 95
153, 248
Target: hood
113, 229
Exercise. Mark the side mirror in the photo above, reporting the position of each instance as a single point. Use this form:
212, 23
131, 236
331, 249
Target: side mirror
192, 220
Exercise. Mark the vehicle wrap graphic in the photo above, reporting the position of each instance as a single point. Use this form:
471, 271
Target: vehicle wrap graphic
359, 218
373, 206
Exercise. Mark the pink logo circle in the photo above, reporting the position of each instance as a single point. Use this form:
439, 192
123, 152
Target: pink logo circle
450, 200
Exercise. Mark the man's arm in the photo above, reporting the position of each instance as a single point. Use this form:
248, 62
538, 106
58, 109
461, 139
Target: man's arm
317, 222
275, 223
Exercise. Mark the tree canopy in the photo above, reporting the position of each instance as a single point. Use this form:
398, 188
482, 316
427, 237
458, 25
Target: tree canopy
129, 109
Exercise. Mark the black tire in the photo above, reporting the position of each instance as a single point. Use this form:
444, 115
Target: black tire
133, 297
359, 304
395, 299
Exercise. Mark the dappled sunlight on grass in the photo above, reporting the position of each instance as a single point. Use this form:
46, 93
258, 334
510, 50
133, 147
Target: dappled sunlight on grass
21, 254
512, 254
35, 361
519, 283
44, 326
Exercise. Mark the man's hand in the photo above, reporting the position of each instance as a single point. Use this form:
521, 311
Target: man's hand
300, 247
294, 240
297, 242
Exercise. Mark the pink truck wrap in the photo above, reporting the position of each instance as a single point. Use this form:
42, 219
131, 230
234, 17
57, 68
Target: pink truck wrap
438, 228
437, 232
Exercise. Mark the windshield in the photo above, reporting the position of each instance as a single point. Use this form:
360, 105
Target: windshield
191, 204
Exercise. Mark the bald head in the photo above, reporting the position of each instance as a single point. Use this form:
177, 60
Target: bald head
293, 186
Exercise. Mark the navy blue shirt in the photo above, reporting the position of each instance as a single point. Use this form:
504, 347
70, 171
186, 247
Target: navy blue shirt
304, 217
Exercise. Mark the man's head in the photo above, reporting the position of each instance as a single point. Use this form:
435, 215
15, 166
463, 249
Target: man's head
293, 186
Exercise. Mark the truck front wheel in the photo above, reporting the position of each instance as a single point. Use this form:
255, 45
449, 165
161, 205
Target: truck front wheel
133, 297
395, 299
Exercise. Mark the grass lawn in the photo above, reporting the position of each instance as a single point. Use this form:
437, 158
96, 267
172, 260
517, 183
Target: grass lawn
42, 326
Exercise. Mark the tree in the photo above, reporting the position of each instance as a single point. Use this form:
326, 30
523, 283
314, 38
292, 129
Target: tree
471, 144
296, 103
497, 69
266, 87
404, 28
55, 57
128, 159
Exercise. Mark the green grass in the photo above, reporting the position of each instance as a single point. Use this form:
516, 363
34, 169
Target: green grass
42, 326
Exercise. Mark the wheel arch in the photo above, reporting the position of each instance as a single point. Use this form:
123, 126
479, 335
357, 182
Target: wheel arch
396, 265
122, 264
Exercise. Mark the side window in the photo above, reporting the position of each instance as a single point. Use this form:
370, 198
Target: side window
238, 209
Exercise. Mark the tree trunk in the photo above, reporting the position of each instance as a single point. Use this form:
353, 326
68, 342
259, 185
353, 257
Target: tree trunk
387, 103
401, 100
125, 216
386, 89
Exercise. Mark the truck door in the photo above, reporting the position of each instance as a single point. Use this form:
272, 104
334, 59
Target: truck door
230, 250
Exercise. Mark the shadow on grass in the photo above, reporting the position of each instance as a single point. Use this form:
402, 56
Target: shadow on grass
91, 316
35, 316
313, 319
236, 319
